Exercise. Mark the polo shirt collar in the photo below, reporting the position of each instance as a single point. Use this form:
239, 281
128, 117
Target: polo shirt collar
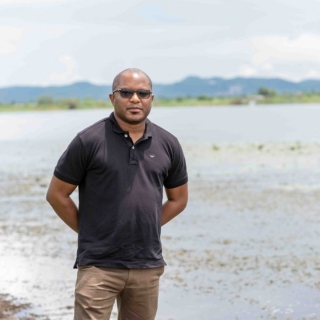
116, 128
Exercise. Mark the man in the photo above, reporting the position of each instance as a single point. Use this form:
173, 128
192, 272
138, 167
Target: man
120, 164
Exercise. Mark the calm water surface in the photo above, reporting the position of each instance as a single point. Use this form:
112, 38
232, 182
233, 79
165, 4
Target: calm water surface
211, 124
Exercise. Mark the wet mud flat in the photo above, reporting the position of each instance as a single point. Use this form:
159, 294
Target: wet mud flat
246, 247
9, 309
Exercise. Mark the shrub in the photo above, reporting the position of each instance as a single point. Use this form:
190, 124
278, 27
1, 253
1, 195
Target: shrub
45, 99
267, 92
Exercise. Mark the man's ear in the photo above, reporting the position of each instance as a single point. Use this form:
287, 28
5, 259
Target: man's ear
111, 97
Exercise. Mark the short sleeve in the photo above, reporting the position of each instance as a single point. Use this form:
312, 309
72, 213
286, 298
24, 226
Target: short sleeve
71, 166
177, 174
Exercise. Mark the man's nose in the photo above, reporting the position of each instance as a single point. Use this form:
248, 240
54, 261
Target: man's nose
135, 97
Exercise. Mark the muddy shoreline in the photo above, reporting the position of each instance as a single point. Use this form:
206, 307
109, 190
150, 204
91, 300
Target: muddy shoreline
10, 309
246, 247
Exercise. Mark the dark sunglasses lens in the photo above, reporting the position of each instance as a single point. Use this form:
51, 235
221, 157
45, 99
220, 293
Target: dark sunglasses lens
143, 94
126, 93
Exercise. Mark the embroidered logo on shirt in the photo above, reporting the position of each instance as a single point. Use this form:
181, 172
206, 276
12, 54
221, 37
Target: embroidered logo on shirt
151, 155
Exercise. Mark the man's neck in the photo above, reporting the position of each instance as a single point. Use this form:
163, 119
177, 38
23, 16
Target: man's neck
136, 131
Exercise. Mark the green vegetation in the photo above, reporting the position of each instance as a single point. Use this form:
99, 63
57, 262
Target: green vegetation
263, 96
308, 97
48, 103
199, 101
266, 92
45, 100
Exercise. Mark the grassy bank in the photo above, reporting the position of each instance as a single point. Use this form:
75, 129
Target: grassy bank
241, 100
68, 104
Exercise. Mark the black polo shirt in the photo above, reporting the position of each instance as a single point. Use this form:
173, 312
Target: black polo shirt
120, 192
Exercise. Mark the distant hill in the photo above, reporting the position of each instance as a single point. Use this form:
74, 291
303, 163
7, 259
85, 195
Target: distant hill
189, 87
194, 86
79, 90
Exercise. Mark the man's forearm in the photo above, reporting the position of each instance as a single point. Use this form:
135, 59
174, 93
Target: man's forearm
66, 210
170, 209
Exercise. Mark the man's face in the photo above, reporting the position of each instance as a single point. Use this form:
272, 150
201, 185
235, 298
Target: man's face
132, 110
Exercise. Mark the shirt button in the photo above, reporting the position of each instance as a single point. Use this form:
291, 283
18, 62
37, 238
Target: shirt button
132, 147
126, 136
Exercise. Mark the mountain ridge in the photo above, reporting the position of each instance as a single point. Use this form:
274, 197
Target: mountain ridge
191, 86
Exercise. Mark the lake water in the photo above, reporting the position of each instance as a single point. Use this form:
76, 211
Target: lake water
247, 245
210, 124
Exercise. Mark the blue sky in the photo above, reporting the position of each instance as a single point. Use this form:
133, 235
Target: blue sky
46, 42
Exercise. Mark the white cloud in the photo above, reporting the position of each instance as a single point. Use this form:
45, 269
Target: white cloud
169, 40
9, 36
268, 49
56, 31
247, 71
267, 67
313, 74
18, 2
294, 59
70, 70
155, 13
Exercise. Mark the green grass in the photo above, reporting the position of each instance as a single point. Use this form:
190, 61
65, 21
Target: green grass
179, 102
57, 105
290, 98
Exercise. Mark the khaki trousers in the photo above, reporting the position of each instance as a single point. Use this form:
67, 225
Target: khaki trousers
136, 291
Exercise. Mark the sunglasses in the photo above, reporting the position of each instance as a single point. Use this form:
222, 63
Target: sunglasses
128, 93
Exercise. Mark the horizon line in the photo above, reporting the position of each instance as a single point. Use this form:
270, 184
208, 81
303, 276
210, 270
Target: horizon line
160, 83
